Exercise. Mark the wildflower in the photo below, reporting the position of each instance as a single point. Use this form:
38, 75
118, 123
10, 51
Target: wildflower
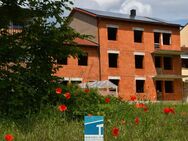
115, 131
58, 90
86, 90
145, 109
168, 110
140, 105
172, 110
107, 100
67, 95
9, 137
62, 108
136, 120
132, 98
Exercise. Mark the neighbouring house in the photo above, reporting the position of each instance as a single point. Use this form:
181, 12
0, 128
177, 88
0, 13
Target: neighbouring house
140, 55
184, 58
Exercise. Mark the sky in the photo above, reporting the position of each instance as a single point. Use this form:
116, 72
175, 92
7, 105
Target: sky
170, 10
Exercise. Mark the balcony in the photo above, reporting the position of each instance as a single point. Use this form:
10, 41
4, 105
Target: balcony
156, 45
159, 51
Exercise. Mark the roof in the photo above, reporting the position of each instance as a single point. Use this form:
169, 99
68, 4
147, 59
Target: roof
85, 42
127, 17
98, 84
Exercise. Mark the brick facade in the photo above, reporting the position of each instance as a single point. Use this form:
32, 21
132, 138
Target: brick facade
126, 49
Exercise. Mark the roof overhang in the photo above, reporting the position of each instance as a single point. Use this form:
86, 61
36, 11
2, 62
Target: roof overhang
167, 52
92, 14
169, 77
85, 42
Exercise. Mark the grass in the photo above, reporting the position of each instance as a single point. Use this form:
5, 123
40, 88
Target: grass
154, 125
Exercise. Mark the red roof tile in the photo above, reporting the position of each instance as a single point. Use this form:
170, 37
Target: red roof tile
85, 42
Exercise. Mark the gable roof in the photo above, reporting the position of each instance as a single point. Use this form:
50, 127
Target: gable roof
85, 42
127, 17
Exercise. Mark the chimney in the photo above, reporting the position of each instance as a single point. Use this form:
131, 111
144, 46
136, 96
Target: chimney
133, 13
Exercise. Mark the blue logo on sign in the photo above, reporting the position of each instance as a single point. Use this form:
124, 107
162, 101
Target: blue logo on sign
94, 127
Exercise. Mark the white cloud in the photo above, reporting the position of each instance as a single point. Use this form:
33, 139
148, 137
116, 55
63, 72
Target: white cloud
142, 9
170, 10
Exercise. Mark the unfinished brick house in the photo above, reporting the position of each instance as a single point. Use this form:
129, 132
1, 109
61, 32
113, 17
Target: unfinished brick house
141, 55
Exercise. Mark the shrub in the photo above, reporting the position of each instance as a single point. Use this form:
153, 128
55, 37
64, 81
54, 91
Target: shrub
81, 102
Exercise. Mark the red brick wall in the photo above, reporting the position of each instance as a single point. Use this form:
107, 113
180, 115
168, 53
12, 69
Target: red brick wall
126, 70
88, 73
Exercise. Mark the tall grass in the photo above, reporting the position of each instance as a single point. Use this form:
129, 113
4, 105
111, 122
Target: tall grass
154, 125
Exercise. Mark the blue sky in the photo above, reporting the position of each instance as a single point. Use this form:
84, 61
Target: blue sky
170, 10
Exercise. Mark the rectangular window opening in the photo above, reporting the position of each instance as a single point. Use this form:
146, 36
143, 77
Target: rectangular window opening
185, 63
166, 38
157, 61
159, 86
138, 36
169, 87
139, 61
157, 39
113, 60
167, 63
116, 82
140, 86
62, 61
112, 33
83, 60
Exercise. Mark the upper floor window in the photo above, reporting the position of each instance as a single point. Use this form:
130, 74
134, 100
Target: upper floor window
162, 37
167, 63
112, 33
157, 39
138, 36
113, 60
166, 38
83, 60
139, 61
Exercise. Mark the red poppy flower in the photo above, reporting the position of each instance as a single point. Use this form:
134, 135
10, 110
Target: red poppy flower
9, 137
145, 109
132, 97
168, 110
67, 95
115, 131
86, 90
107, 100
140, 105
136, 120
62, 108
58, 90
172, 110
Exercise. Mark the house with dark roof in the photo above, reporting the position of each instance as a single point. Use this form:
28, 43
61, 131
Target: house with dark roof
141, 55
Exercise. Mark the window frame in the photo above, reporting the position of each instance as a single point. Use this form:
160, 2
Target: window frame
80, 63
142, 62
140, 90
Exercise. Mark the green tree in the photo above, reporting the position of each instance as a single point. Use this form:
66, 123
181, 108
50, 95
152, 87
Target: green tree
28, 57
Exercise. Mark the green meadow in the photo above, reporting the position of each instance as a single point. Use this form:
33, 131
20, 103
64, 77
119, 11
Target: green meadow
153, 125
